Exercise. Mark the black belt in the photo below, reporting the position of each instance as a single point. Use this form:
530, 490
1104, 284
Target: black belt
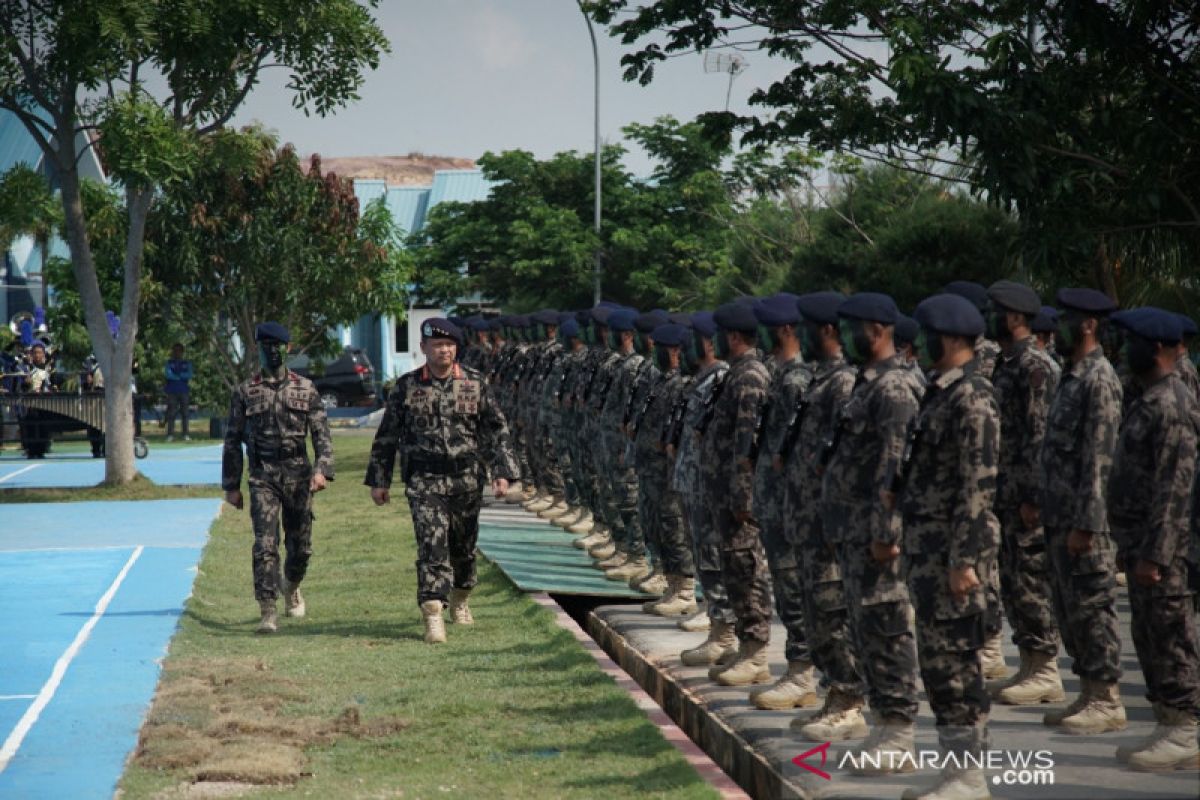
260, 455
440, 465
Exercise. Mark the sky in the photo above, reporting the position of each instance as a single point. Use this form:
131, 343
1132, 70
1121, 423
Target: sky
468, 76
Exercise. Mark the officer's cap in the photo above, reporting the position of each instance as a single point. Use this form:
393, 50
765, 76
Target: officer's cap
1015, 296
670, 335
1153, 324
870, 306
970, 290
1045, 321
1187, 325
821, 307
647, 322
906, 329
736, 316
440, 328
681, 318
951, 314
776, 311
704, 324
622, 319
569, 329
1089, 301
271, 331
547, 316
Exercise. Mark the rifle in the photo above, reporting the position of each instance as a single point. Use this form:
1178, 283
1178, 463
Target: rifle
795, 423
759, 425
710, 402
673, 429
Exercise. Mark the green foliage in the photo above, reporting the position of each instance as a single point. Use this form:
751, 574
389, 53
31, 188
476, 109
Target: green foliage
143, 147
27, 206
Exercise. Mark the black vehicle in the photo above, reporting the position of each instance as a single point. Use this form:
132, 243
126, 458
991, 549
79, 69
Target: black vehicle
348, 380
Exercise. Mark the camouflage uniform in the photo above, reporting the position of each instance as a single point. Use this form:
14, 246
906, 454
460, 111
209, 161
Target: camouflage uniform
987, 353
947, 502
556, 420
730, 490
272, 417
1189, 376
580, 426
594, 442
790, 380
825, 614
1081, 432
663, 504
649, 464
1025, 379
868, 442
446, 432
622, 499
1156, 454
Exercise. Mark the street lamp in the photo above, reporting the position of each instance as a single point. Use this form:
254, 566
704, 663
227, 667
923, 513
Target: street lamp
597, 265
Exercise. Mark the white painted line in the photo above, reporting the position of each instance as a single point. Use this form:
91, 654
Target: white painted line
13, 742
17, 696
18, 472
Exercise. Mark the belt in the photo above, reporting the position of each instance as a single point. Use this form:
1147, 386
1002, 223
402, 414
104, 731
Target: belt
426, 464
260, 454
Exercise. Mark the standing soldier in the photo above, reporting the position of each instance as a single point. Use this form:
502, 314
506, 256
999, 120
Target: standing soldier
271, 414
1156, 454
1081, 433
987, 351
1187, 369
1025, 379
447, 429
946, 487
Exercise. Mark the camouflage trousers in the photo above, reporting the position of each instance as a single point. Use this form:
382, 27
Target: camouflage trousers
280, 493
620, 486
446, 527
950, 634
1084, 589
1025, 585
549, 469
662, 519
881, 616
787, 583
706, 550
1165, 637
745, 574
561, 443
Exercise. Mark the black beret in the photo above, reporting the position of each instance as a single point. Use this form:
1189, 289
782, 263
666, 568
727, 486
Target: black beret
969, 289
1153, 324
1089, 301
736, 317
1045, 321
1015, 296
563, 316
584, 317
870, 306
622, 319
477, 323
704, 324
906, 329
569, 329
788, 296
681, 318
272, 331
456, 320
608, 304
1187, 325
441, 328
775, 311
519, 320
821, 307
496, 324
546, 316
647, 322
671, 335
951, 314
601, 313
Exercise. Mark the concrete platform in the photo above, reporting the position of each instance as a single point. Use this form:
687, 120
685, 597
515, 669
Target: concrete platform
756, 747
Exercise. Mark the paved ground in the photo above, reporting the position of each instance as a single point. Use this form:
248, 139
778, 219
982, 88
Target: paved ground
175, 466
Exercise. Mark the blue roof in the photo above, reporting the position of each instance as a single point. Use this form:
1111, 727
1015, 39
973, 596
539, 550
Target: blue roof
459, 186
16, 145
410, 205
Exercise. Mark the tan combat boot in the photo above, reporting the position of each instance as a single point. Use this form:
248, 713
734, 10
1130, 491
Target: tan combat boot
655, 583
995, 687
460, 612
270, 617
529, 491
557, 509
539, 502
293, 601
796, 689
991, 658
1174, 744
954, 784
888, 750
720, 645
585, 525
598, 536
696, 623
1102, 712
1126, 750
628, 570
573, 515
680, 598
1055, 717
841, 718
748, 668
1041, 683
603, 551
435, 629
515, 493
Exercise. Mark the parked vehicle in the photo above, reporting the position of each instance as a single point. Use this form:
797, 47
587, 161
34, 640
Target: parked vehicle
348, 380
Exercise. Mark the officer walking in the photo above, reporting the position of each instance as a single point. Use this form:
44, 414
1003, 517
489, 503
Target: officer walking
271, 414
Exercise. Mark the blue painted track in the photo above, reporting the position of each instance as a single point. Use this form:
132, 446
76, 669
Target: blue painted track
51, 577
165, 466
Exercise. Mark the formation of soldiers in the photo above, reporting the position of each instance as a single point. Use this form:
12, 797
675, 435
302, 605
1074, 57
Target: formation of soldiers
892, 488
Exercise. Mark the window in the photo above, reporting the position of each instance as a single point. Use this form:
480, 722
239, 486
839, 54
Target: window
402, 336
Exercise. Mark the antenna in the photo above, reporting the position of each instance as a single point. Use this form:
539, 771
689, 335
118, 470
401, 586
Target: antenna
731, 63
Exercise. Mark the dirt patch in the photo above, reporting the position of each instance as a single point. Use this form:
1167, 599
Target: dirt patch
220, 723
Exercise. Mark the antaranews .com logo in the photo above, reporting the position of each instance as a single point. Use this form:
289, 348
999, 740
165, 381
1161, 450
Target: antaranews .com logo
1005, 767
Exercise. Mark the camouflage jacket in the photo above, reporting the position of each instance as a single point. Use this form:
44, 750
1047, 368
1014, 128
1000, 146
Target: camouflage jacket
868, 438
555, 396
272, 418
730, 433
820, 405
1189, 376
474, 357
445, 432
1024, 381
950, 478
788, 385
575, 391
602, 382
649, 425
987, 354
616, 401
687, 458
648, 377
1153, 473
1081, 432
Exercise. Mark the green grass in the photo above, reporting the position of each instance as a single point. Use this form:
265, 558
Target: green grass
351, 703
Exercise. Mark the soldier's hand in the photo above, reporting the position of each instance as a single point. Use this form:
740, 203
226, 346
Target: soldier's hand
381, 496
1031, 516
963, 580
317, 483
1146, 573
1079, 542
234, 498
884, 552
499, 487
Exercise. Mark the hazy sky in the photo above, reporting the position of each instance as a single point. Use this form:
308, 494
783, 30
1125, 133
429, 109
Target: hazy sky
468, 76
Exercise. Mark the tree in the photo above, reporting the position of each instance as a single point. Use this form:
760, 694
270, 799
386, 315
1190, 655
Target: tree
29, 208
59, 56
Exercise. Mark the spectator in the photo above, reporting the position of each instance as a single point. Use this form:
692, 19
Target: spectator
179, 374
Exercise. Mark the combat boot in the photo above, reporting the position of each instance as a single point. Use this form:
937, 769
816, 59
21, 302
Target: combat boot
574, 514
605, 550
585, 525
991, 658
720, 645
599, 536
632, 568
655, 583
616, 559
529, 491
954, 784
1041, 683
539, 503
515, 493
1173, 747
460, 612
749, 667
1126, 750
1055, 717
435, 629
841, 718
270, 617
680, 598
888, 750
1101, 713
293, 601
696, 623
796, 689
994, 688
556, 510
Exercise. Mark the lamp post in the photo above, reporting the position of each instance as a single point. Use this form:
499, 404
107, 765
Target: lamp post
597, 267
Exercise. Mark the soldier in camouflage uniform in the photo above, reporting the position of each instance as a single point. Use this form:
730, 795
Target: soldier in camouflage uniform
535, 406
600, 544
578, 425
271, 414
651, 473
1025, 379
986, 351
1184, 363
945, 488
557, 419
445, 425
1156, 452
862, 453
476, 354
1081, 433
729, 485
